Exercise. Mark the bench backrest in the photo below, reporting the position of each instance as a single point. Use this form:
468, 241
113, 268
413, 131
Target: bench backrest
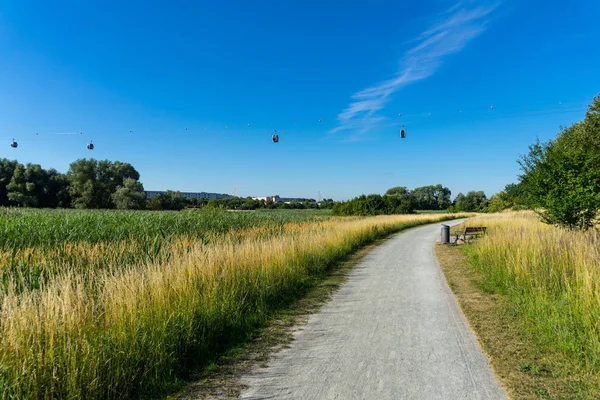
472, 229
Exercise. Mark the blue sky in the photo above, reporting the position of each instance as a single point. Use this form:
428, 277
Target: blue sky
156, 68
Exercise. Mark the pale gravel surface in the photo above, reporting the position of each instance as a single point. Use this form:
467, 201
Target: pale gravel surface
393, 331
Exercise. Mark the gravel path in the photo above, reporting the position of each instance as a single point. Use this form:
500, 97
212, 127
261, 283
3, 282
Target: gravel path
393, 331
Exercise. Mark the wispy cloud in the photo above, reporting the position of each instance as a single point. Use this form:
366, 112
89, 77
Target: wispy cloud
456, 27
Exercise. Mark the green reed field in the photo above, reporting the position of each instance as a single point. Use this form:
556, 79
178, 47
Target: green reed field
109, 304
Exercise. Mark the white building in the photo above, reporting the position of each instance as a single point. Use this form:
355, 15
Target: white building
277, 199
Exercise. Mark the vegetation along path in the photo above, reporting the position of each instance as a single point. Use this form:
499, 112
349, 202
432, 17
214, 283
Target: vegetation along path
393, 331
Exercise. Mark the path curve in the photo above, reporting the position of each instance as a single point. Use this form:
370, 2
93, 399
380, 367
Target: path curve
393, 331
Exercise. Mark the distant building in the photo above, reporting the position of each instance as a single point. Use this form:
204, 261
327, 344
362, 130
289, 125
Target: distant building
191, 195
287, 200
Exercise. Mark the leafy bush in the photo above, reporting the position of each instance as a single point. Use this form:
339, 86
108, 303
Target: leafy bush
562, 176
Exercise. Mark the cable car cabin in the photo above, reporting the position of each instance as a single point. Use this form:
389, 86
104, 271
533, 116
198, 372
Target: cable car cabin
402, 133
14, 144
275, 138
90, 146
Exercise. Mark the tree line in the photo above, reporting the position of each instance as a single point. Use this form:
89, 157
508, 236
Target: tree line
248, 203
87, 184
560, 178
400, 200
90, 183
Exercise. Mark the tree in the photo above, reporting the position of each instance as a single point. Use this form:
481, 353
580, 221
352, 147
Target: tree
442, 195
374, 204
326, 204
498, 202
7, 169
130, 196
83, 184
19, 190
562, 177
400, 191
251, 204
27, 185
56, 190
471, 202
309, 204
517, 196
432, 197
92, 183
171, 200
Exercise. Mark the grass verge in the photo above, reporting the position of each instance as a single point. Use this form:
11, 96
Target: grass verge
527, 365
221, 379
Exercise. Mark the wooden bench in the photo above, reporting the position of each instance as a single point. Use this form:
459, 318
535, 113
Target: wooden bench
471, 231
475, 230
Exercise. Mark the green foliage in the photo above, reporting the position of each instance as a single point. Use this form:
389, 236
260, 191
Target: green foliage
238, 203
92, 183
326, 204
7, 168
471, 202
514, 197
25, 185
401, 191
431, 197
130, 196
374, 204
562, 177
452, 209
171, 200
498, 203
397, 200
517, 195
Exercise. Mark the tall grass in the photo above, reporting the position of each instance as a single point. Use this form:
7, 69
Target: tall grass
37, 244
125, 331
49, 228
552, 276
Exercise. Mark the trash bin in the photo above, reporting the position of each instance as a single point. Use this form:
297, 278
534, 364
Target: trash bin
445, 234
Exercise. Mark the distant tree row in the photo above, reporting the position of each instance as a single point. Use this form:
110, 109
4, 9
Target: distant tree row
87, 184
400, 200
433, 197
91, 183
374, 204
248, 203
473, 201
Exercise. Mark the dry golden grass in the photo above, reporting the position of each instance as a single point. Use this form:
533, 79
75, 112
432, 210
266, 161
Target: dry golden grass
533, 297
527, 368
125, 330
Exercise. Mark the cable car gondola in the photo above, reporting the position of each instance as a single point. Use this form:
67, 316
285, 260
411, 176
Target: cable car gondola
275, 137
402, 133
90, 145
14, 144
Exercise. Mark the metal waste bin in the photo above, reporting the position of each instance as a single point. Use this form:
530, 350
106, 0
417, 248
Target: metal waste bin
445, 234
